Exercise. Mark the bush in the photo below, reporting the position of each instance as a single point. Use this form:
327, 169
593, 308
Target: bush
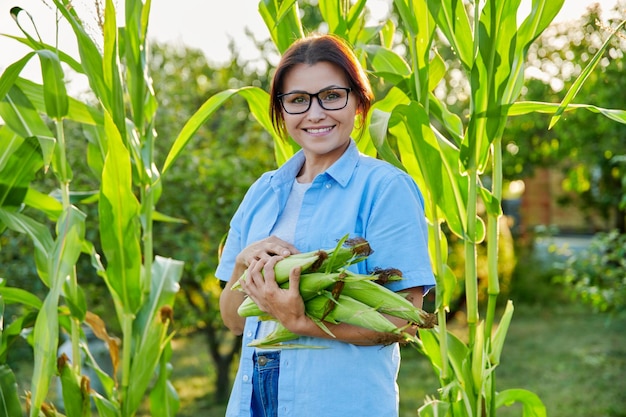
597, 275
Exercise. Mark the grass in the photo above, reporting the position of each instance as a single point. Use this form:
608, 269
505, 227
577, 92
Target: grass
574, 360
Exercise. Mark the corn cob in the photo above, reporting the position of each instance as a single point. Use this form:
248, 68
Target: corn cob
385, 301
348, 310
310, 285
284, 267
347, 252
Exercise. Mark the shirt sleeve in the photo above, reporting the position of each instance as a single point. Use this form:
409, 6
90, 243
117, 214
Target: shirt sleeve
232, 248
398, 233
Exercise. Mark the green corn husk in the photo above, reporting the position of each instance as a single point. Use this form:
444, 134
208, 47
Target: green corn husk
385, 301
311, 284
284, 267
276, 339
278, 335
346, 309
347, 252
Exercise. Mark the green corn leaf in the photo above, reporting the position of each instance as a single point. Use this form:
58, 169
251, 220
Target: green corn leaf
12, 295
531, 403
575, 88
525, 107
9, 399
19, 162
54, 92
166, 275
452, 19
90, 57
282, 20
164, 400
46, 337
119, 223
497, 343
11, 74
257, 99
21, 116
45, 203
106, 407
77, 110
38, 233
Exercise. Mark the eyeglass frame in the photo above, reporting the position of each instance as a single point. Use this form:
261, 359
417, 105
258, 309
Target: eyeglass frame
315, 95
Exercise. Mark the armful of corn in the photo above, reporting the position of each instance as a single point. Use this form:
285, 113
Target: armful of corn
333, 294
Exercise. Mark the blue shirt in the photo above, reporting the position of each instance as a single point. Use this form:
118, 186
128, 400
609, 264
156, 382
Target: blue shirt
363, 197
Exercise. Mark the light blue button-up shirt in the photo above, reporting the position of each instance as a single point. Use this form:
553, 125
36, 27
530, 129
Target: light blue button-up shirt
363, 197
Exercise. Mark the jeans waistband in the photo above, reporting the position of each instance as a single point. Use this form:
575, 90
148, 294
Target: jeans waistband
263, 359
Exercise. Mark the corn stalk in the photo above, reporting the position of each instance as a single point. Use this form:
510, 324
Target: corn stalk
120, 128
445, 154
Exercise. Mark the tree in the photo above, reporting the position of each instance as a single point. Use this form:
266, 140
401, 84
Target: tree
225, 156
588, 148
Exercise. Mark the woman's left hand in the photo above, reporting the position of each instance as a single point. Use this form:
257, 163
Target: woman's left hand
285, 305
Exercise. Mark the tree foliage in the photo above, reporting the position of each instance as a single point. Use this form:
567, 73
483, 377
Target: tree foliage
588, 148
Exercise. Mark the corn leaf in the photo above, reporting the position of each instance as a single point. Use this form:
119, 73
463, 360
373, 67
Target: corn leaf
54, 92
164, 400
9, 399
282, 20
119, 223
19, 162
531, 403
525, 107
497, 343
63, 257
12, 295
37, 232
580, 80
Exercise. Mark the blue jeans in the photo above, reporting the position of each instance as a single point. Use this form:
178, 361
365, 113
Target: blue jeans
265, 384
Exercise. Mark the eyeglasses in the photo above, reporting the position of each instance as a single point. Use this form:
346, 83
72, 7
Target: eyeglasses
333, 98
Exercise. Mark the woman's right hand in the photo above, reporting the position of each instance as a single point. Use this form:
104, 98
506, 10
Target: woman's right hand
262, 250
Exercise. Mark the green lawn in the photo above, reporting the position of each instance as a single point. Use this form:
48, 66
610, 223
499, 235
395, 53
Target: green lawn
573, 359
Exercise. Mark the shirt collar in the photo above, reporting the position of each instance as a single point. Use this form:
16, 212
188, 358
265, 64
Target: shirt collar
341, 171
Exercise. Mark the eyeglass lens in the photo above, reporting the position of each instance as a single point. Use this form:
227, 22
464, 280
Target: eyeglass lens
328, 99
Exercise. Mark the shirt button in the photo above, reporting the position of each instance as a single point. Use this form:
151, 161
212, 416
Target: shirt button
328, 185
249, 334
246, 378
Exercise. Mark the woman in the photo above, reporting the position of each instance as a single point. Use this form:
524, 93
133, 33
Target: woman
325, 191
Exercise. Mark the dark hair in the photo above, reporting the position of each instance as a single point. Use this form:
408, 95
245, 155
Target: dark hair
311, 50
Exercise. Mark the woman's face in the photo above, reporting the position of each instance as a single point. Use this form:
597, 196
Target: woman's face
322, 134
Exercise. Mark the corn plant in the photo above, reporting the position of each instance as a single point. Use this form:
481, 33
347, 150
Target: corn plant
448, 155
119, 127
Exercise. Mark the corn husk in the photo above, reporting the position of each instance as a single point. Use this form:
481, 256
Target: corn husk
385, 301
346, 309
277, 339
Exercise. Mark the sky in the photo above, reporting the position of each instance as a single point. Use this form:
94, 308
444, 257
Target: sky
204, 24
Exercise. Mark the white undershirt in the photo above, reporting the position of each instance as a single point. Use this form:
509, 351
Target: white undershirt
285, 229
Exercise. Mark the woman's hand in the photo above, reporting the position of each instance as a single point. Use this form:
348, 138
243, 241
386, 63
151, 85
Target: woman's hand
285, 305
263, 250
